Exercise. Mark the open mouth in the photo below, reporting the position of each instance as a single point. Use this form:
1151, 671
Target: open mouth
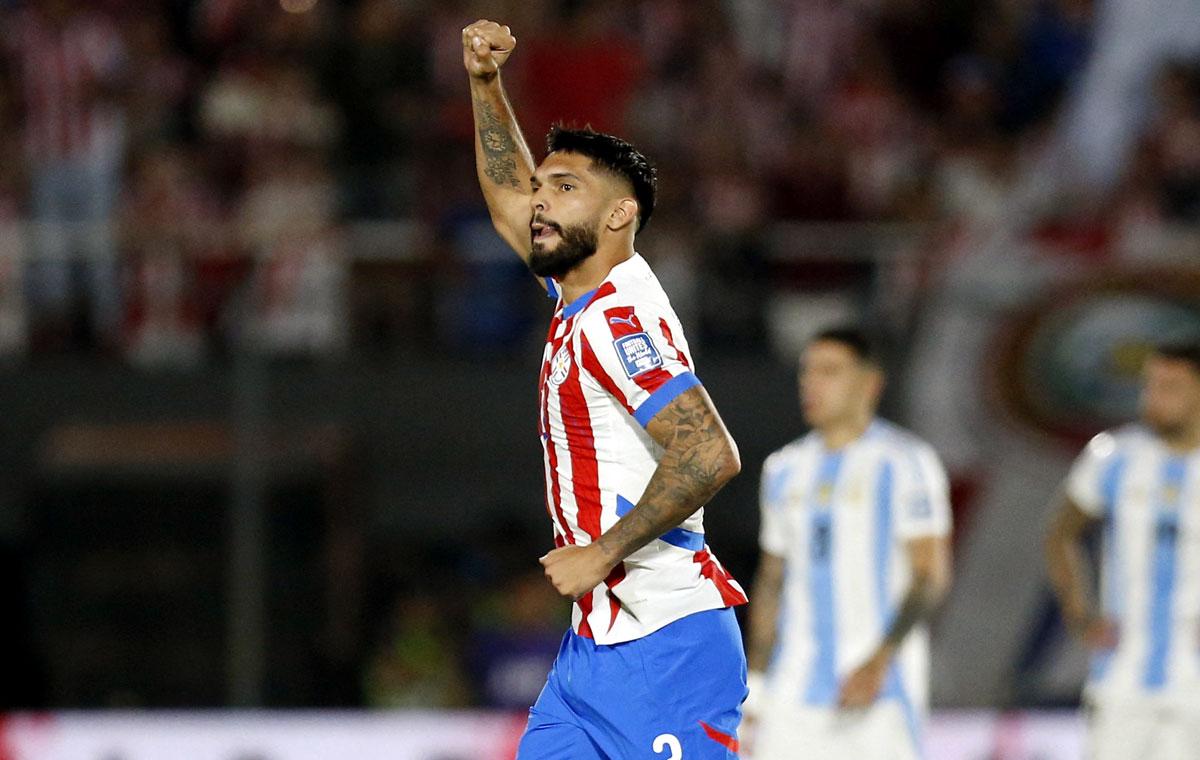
542, 231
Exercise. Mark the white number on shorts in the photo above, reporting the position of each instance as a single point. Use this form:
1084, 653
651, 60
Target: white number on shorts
664, 742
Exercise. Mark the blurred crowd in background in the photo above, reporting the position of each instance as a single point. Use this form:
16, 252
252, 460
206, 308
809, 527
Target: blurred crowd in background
194, 165
181, 179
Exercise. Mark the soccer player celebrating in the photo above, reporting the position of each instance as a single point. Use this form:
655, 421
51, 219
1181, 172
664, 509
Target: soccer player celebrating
653, 664
1141, 485
855, 557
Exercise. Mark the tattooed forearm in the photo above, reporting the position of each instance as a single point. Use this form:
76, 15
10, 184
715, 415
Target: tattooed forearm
500, 150
698, 459
918, 605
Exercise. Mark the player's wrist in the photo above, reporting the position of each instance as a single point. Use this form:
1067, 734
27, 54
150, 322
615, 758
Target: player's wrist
485, 77
1080, 619
607, 552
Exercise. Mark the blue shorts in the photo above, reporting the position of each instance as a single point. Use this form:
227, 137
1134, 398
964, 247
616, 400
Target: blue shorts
676, 693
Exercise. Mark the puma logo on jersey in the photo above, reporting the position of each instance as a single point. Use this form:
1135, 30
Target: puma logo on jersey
621, 320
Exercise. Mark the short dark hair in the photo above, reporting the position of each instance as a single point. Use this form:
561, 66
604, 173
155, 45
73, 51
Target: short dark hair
1184, 350
861, 343
613, 155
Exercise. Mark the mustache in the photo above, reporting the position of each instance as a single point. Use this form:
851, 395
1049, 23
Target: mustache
546, 222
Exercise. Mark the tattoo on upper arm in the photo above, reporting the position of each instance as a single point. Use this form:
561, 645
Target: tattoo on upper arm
693, 468
499, 148
690, 432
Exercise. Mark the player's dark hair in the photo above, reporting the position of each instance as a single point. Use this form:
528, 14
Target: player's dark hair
861, 343
1187, 350
613, 155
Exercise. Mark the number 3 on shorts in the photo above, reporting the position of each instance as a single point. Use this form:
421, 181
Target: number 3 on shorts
664, 742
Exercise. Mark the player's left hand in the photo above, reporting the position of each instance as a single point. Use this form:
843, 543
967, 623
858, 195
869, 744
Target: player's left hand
576, 570
862, 687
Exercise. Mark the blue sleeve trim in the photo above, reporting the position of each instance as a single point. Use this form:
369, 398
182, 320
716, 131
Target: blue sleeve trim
684, 539
665, 394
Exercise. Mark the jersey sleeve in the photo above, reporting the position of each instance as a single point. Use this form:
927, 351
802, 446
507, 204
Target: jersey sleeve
1085, 482
633, 354
922, 495
772, 530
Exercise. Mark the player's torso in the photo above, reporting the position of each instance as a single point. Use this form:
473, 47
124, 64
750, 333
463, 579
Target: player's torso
846, 568
599, 459
1150, 566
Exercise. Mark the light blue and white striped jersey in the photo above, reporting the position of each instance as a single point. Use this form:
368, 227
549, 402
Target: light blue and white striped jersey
840, 520
1148, 498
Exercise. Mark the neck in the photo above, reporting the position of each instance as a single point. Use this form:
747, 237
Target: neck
589, 274
841, 433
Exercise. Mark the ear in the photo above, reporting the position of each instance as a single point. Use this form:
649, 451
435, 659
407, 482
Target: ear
623, 214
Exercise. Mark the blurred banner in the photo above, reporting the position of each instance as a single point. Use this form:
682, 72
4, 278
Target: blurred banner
432, 736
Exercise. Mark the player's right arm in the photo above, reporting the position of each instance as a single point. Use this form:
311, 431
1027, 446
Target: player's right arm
764, 613
502, 158
767, 591
1070, 574
764, 622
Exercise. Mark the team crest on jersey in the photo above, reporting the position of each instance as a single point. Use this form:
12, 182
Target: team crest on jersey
637, 353
560, 366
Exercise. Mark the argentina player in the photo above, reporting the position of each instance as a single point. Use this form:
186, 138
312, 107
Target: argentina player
653, 664
1140, 485
855, 557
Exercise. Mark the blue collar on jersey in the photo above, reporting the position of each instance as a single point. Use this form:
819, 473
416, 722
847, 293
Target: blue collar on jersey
579, 304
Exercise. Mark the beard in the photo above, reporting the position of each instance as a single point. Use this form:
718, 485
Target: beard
575, 245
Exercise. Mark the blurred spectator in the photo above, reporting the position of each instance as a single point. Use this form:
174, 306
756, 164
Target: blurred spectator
883, 139
1156, 206
169, 220
513, 645
72, 64
13, 326
287, 218
1051, 51
822, 36
160, 80
382, 83
975, 172
1174, 137
256, 99
589, 80
415, 664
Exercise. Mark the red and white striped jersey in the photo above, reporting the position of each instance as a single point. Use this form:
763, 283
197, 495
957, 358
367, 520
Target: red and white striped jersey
614, 358
66, 118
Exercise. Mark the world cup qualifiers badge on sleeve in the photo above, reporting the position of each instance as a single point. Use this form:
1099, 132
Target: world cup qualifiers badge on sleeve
637, 353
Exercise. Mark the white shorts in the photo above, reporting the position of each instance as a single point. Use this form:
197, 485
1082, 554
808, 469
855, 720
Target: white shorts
1142, 728
880, 732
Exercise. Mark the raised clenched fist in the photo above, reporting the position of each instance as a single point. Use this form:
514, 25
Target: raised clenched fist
486, 46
